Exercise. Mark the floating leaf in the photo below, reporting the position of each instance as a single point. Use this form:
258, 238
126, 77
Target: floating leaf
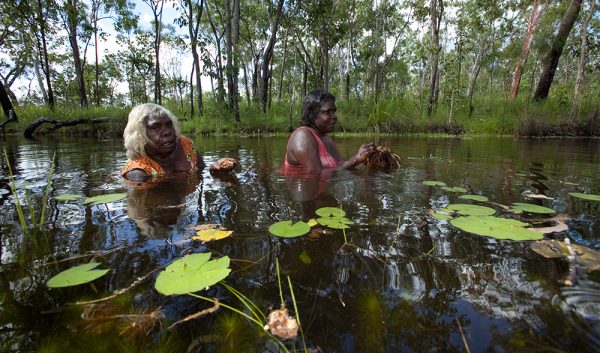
67, 197
537, 196
454, 189
100, 199
474, 197
434, 183
287, 229
312, 222
559, 227
589, 197
211, 234
443, 217
551, 249
495, 227
464, 209
205, 226
527, 207
305, 258
192, 273
335, 222
76, 275
330, 212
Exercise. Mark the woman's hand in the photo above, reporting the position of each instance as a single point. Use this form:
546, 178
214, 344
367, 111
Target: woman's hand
363, 153
223, 165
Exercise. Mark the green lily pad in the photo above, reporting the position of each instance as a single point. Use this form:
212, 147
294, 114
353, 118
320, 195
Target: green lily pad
67, 197
496, 227
474, 198
464, 209
76, 275
100, 199
454, 189
192, 273
434, 183
531, 208
305, 258
589, 197
335, 222
287, 229
330, 212
441, 216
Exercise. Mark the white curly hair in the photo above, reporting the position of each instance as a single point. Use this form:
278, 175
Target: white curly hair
135, 137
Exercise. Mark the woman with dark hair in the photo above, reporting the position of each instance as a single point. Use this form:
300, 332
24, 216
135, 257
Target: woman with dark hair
310, 147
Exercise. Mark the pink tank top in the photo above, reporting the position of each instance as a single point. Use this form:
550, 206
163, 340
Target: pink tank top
327, 160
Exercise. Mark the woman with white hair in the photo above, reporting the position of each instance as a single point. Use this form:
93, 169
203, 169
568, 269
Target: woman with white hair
155, 146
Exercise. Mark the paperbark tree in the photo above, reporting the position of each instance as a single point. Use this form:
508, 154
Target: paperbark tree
267, 56
435, 15
537, 12
71, 25
551, 62
156, 6
581, 65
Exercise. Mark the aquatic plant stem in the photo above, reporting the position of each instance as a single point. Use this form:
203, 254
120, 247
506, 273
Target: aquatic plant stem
279, 283
13, 188
47, 189
260, 324
254, 309
297, 313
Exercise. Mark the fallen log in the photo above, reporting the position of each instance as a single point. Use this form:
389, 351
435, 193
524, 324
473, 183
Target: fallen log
12, 117
57, 124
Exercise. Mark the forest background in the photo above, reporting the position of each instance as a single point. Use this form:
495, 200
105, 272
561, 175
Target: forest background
526, 67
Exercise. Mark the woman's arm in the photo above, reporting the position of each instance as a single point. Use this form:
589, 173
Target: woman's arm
303, 150
360, 157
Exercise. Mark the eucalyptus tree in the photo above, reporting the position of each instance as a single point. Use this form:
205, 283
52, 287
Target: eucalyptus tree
582, 58
537, 11
436, 13
71, 12
211, 11
191, 16
555, 52
268, 54
157, 6
138, 64
232, 35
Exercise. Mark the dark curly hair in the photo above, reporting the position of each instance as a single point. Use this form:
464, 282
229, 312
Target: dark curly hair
312, 105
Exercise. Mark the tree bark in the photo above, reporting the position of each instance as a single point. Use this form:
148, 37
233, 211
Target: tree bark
42, 49
547, 75
73, 23
218, 59
436, 20
193, 29
537, 11
581, 66
267, 55
7, 106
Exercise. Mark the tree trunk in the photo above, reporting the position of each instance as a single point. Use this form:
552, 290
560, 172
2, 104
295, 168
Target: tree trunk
246, 86
581, 66
236, 56
267, 55
547, 75
157, 43
537, 11
436, 20
193, 29
72, 27
43, 51
219, 63
473, 78
281, 72
6, 103
324, 41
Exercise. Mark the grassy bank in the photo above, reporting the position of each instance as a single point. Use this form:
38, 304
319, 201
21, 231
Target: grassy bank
495, 116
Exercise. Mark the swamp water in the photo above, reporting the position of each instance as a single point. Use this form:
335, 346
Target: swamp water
397, 280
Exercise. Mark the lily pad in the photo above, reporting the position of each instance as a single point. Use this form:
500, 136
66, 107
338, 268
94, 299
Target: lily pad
192, 273
464, 209
496, 227
474, 198
67, 197
312, 222
335, 222
441, 216
330, 212
211, 234
531, 208
100, 199
454, 189
76, 275
589, 197
287, 229
434, 183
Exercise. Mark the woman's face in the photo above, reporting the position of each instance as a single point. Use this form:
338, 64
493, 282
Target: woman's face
161, 136
326, 118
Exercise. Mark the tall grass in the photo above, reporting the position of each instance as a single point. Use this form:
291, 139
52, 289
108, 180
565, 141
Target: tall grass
398, 114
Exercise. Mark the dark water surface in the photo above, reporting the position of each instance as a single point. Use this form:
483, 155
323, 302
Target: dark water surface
405, 282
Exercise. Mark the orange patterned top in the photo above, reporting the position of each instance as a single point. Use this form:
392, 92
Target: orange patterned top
154, 169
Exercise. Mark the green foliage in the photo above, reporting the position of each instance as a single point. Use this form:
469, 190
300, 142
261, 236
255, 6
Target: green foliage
332, 217
474, 197
589, 197
192, 273
76, 275
496, 227
287, 229
527, 207
107, 198
471, 210
434, 183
